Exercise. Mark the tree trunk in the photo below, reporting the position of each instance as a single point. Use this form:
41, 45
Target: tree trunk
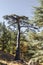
17, 57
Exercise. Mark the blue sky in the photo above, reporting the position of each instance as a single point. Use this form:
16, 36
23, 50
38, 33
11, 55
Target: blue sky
19, 7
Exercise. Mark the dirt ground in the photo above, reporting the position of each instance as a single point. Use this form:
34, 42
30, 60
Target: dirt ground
3, 62
8, 59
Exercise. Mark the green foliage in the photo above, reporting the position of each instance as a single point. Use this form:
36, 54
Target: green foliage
31, 43
39, 14
5, 36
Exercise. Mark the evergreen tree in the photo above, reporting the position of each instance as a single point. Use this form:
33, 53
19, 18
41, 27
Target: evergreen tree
39, 14
19, 22
5, 37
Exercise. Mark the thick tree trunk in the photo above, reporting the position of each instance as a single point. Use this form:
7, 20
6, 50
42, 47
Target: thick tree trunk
17, 57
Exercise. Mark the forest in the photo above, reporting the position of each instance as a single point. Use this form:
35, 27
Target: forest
21, 39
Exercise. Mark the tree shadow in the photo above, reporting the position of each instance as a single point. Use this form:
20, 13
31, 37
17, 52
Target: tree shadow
6, 56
